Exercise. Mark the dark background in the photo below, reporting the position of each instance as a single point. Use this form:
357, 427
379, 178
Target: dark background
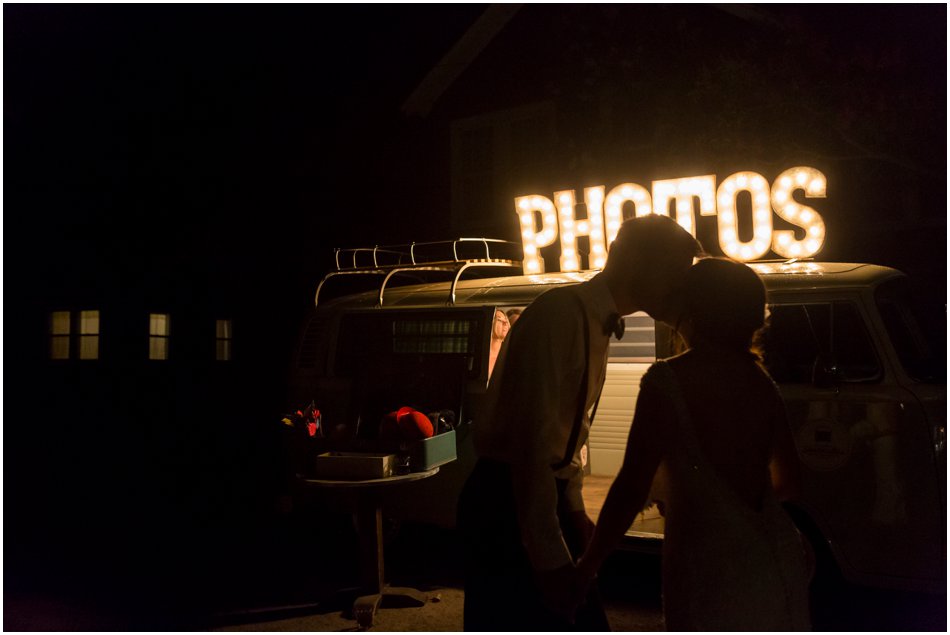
204, 160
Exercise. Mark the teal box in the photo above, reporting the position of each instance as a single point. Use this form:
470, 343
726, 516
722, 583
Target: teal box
432, 452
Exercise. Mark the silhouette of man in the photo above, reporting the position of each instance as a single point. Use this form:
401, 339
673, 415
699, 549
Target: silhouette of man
521, 512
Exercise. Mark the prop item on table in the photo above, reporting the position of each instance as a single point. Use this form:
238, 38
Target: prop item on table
354, 466
308, 418
442, 420
413, 424
389, 427
409, 424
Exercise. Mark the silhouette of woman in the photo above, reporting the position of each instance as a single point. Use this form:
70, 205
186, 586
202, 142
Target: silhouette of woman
732, 559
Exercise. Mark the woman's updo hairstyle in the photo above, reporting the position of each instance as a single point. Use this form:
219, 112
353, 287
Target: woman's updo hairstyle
725, 304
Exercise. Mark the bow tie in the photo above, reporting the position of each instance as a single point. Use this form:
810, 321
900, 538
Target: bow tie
614, 326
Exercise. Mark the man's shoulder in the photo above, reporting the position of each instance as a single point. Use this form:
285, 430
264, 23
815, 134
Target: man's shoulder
554, 312
556, 305
559, 295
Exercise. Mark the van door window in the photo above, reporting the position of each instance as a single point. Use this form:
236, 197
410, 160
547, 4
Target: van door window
830, 337
913, 344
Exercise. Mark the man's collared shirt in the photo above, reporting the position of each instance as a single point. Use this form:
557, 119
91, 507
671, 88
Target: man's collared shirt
531, 406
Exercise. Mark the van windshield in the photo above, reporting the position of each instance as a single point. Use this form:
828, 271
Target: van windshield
917, 330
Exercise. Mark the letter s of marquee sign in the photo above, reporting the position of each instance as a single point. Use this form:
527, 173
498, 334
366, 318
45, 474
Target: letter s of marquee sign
543, 220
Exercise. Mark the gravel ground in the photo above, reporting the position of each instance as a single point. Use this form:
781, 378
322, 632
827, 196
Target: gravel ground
288, 577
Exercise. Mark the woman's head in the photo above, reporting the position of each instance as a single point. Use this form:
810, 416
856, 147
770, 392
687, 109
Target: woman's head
500, 326
723, 303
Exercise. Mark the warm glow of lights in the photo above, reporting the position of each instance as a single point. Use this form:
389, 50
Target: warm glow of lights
572, 228
535, 237
682, 191
613, 212
814, 185
565, 208
605, 215
594, 226
755, 184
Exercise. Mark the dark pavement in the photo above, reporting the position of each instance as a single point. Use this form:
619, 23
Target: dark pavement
298, 572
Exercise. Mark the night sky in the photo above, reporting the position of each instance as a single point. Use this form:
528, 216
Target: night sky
221, 133
253, 140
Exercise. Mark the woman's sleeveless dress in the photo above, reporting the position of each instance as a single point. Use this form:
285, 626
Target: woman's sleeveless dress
726, 567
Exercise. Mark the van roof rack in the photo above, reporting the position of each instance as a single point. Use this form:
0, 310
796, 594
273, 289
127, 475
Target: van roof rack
447, 256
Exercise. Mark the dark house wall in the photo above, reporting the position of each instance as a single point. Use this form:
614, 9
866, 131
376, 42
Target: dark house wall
570, 96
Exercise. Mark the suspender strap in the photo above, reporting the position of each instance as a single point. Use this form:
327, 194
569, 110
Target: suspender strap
582, 397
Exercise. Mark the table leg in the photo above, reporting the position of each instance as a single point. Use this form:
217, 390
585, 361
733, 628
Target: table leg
369, 519
370, 526
364, 609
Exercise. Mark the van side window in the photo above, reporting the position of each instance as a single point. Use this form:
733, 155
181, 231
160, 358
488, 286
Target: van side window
638, 343
832, 335
851, 346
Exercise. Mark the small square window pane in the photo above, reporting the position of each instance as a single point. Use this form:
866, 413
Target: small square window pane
224, 350
59, 347
158, 324
223, 329
59, 323
89, 347
89, 323
158, 348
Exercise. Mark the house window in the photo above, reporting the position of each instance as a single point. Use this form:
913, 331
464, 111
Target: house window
158, 329
59, 330
74, 333
89, 335
223, 340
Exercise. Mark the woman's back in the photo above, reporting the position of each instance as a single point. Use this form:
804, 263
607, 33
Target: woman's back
732, 559
733, 408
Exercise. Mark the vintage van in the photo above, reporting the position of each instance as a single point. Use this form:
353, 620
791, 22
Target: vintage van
866, 402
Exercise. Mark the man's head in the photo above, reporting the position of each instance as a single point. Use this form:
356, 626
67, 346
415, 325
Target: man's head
647, 264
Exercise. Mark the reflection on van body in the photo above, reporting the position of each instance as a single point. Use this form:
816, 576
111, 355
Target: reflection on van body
870, 470
866, 399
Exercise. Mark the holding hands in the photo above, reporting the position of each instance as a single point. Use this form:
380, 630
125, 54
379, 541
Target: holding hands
584, 575
565, 590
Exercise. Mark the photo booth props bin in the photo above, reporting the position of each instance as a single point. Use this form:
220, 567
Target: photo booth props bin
406, 442
354, 466
420, 441
432, 452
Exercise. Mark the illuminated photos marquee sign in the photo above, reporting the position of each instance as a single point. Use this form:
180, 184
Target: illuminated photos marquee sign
543, 220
